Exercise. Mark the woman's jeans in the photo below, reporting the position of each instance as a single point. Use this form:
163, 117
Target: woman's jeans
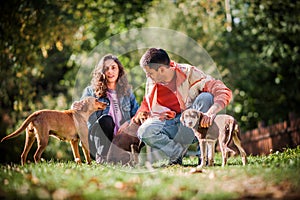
170, 136
100, 136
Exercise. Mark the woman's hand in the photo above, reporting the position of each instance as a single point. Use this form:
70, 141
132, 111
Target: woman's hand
122, 127
77, 105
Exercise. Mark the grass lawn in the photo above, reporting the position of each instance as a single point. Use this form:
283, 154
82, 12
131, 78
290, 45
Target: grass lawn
276, 176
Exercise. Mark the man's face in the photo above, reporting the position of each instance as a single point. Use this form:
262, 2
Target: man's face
156, 76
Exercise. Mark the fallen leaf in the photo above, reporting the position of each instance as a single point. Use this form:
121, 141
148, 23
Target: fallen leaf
196, 170
42, 193
60, 194
119, 185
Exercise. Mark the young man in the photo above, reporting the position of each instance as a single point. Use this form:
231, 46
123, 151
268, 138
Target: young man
172, 88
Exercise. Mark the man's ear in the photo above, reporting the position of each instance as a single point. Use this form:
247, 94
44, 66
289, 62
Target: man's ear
162, 69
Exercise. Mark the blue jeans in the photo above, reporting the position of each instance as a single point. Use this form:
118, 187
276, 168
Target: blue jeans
170, 136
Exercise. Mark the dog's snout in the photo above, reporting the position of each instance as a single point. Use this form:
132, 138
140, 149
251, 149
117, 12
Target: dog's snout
187, 123
102, 105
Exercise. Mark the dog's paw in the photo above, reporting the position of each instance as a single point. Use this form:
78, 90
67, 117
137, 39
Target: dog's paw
196, 170
77, 160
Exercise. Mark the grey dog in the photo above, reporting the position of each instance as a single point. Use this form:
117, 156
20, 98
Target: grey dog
224, 129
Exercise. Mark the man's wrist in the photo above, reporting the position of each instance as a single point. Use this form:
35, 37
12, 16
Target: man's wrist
214, 109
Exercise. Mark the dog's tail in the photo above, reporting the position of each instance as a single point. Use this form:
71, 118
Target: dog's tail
230, 127
236, 129
232, 130
28, 120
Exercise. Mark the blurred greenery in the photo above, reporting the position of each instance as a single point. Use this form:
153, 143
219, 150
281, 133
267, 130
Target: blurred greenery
254, 44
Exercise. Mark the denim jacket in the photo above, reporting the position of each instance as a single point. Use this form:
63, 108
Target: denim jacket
128, 106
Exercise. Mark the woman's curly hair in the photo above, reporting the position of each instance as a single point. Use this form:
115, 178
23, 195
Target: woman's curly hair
99, 82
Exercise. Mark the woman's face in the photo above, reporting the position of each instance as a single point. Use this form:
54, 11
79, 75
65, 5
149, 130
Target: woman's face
111, 71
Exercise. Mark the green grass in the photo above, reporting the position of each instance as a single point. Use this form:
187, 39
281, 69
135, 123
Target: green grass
272, 176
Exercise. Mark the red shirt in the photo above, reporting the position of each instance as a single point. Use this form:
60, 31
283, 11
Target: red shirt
166, 97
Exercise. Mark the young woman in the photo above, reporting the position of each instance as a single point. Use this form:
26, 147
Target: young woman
109, 84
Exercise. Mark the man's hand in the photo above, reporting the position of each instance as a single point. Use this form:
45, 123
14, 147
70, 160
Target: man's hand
208, 117
207, 120
140, 117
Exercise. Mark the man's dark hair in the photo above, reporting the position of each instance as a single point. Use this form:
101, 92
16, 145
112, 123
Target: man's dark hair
155, 57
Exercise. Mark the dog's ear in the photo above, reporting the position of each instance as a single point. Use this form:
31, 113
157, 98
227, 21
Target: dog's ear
200, 114
182, 117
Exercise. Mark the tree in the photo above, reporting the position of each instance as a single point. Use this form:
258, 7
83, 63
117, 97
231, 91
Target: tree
257, 53
39, 41
262, 53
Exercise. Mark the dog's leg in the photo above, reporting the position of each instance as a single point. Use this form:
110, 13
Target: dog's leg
135, 153
223, 141
85, 148
133, 158
203, 147
30, 138
211, 152
42, 140
229, 150
223, 152
238, 144
74, 145
83, 134
225, 156
86, 153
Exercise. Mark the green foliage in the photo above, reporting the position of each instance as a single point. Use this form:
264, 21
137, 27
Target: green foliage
289, 159
34, 35
271, 176
255, 45
262, 53
40, 46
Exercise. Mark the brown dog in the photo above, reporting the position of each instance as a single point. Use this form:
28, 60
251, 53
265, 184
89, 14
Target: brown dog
126, 146
224, 128
68, 125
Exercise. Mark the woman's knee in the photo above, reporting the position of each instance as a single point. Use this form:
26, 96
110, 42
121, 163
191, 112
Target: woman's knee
107, 126
106, 121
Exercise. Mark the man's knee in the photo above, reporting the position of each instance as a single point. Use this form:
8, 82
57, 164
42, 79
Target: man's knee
205, 96
203, 101
144, 132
